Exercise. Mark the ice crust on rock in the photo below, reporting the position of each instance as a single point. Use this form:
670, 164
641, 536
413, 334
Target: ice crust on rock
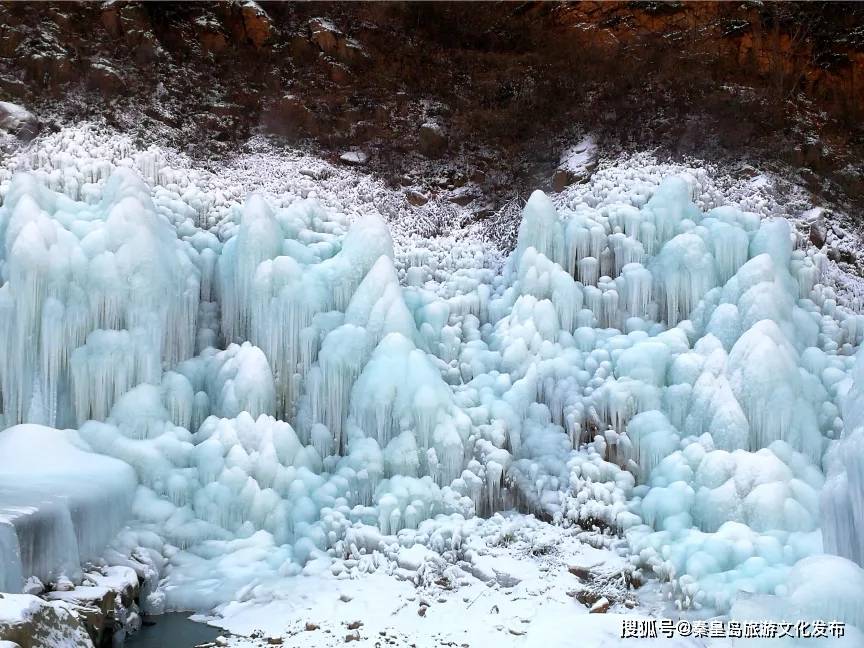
300, 387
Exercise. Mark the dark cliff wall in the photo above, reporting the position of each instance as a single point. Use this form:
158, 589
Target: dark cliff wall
506, 81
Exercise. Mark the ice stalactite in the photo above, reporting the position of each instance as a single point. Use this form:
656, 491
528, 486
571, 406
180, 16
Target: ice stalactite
746, 386
259, 238
341, 359
541, 229
764, 376
384, 400
112, 274
108, 365
684, 271
729, 243
842, 505
843, 496
271, 287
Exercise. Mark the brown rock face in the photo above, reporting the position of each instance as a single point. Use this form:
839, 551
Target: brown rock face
106, 80
510, 81
289, 115
256, 24
325, 35
334, 43
561, 180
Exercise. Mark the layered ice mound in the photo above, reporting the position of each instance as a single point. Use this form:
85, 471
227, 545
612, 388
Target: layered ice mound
300, 391
60, 504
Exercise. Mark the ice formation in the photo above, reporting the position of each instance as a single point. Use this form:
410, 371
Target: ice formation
94, 299
61, 504
299, 388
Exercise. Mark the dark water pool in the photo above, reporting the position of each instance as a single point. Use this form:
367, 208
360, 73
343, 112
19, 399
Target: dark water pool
172, 630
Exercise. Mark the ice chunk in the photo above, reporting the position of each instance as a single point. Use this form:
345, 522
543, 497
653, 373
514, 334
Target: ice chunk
59, 504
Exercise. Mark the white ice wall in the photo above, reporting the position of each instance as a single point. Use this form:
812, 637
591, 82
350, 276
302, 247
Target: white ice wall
673, 374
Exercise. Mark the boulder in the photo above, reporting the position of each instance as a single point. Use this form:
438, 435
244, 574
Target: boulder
290, 116
601, 606
332, 42
32, 622
415, 197
463, 195
818, 233
354, 158
18, 121
211, 36
582, 572
256, 24
106, 79
433, 139
841, 254
94, 606
577, 164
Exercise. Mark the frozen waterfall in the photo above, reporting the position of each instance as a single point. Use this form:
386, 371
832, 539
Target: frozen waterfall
677, 376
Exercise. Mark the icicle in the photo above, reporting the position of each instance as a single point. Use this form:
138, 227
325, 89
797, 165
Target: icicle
589, 271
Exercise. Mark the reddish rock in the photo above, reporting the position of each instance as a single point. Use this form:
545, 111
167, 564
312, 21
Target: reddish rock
337, 72
561, 180
213, 42
333, 42
325, 35
818, 233
601, 606
257, 24
582, 573
110, 18
416, 198
105, 79
290, 116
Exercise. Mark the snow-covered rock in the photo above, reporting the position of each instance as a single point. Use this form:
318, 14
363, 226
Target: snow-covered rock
30, 622
18, 121
356, 158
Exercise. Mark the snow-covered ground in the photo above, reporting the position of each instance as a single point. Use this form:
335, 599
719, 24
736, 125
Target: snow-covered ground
329, 396
522, 584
